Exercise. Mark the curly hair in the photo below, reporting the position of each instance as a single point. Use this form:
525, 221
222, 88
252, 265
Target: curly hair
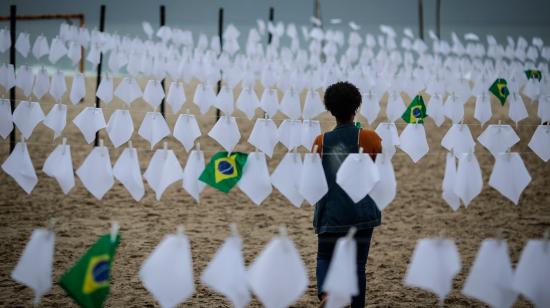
342, 99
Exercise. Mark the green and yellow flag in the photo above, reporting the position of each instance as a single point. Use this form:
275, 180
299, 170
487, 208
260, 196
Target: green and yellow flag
499, 88
533, 74
416, 112
224, 170
87, 282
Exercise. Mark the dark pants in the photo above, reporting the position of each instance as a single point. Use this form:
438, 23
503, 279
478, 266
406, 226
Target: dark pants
326, 243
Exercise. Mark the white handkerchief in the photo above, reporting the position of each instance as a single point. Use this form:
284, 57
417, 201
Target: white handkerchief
264, 136
105, 90
289, 133
96, 172
40, 47
186, 130
509, 176
248, 102
168, 271
226, 132
89, 121
468, 181
74, 53
78, 88
458, 139
313, 105
454, 108
191, 173
384, 191
413, 141
540, 142
26, 116
58, 86
433, 266
23, 44
224, 100
483, 112
59, 165
310, 130
532, 89
278, 276
395, 107
120, 127
128, 90
176, 96
56, 119
517, 111
491, 276
498, 138
153, 93
269, 102
370, 108
5, 40
7, 76
226, 273
127, 171
285, 180
435, 109
6, 118
93, 55
532, 276
41, 83
357, 175
341, 280
389, 136
24, 80
153, 128
543, 110
255, 181
57, 50
35, 266
313, 183
449, 180
19, 167
204, 97
164, 170
290, 104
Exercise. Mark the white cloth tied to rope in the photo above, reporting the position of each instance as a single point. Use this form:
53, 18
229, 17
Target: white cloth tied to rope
127, 171
59, 165
19, 166
96, 172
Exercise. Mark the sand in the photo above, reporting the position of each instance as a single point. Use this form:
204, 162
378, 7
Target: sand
418, 211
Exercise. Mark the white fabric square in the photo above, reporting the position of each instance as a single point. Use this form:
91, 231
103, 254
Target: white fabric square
19, 166
26, 116
226, 132
357, 175
285, 180
89, 121
96, 172
264, 136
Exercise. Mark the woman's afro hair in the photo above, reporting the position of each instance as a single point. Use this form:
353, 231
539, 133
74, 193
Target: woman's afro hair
342, 99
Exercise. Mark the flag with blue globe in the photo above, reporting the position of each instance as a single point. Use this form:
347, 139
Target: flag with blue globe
416, 112
224, 170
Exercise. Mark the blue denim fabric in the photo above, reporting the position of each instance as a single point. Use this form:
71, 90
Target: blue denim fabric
336, 212
325, 248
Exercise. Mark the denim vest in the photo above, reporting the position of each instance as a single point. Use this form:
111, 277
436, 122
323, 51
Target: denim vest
336, 212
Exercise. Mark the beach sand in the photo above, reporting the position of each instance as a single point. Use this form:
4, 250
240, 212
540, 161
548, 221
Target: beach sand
418, 211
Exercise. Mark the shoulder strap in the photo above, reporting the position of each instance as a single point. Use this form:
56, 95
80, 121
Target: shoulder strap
359, 138
322, 142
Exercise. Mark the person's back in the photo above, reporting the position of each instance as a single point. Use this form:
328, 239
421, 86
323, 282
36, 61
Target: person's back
336, 213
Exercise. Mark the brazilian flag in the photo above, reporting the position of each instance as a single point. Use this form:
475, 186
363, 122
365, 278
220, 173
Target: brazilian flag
87, 282
224, 170
533, 74
500, 89
416, 112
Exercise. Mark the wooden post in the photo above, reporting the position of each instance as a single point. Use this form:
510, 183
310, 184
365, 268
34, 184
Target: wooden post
99, 65
438, 18
271, 16
162, 23
220, 35
13, 17
421, 19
